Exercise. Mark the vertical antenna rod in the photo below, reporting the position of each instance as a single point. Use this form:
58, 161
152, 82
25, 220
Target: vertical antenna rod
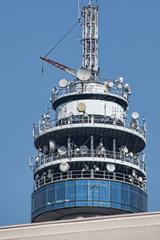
90, 38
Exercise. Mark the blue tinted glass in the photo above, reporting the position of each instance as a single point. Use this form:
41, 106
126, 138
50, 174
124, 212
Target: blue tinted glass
81, 190
59, 205
70, 191
133, 197
42, 199
125, 194
70, 204
105, 191
115, 192
82, 203
94, 192
50, 198
60, 192
88, 193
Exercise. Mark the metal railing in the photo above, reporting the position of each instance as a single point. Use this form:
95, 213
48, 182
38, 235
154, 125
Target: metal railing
78, 88
137, 160
90, 174
90, 119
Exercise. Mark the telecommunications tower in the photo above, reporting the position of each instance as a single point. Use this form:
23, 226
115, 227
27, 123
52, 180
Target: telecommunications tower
90, 159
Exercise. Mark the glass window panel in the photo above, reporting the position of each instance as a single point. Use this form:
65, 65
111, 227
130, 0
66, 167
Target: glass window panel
70, 193
93, 190
50, 195
134, 197
81, 203
115, 192
81, 190
105, 191
59, 205
125, 194
60, 192
70, 204
42, 199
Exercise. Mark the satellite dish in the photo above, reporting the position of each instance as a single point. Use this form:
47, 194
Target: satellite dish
83, 149
64, 166
81, 107
110, 84
76, 151
134, 173
140, 179
54, 90
63, 83
49, 175
121, 79
119, 86
45, 149
131, 154
103, 150
37, 176
52, 146
124, 149
96, 168
83, 74
113, 116
62, 150
86, 167
100, 150
126, 86
135, 115
130, 178
106, 83
125, 95
111, 167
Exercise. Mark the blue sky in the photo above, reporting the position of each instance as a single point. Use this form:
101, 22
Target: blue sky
129, 45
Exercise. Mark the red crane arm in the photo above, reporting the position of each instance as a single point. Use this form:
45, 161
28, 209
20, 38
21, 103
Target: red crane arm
60, 66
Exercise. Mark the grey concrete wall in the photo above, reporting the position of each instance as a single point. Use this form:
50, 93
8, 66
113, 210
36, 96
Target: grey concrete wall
127, 227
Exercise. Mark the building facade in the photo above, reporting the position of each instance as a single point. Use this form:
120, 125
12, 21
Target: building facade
143, 226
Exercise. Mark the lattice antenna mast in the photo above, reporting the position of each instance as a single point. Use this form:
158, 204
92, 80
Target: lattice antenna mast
90, 38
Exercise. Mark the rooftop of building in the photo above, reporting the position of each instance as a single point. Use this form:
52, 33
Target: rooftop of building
128, 226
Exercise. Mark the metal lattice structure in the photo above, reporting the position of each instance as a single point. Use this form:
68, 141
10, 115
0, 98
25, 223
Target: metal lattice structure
90, 38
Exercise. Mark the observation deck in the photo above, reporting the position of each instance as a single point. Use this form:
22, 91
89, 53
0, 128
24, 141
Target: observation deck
91, 90
72, 197
78, 158
135, 139
90, 174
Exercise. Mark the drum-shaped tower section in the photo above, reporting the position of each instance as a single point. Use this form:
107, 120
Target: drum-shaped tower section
90, 159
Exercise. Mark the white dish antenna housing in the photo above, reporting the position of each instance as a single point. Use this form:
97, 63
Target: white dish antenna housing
111, 167
84, 74
64, 166
63, 83
83, 149
81, 107
135, 115
62, 150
